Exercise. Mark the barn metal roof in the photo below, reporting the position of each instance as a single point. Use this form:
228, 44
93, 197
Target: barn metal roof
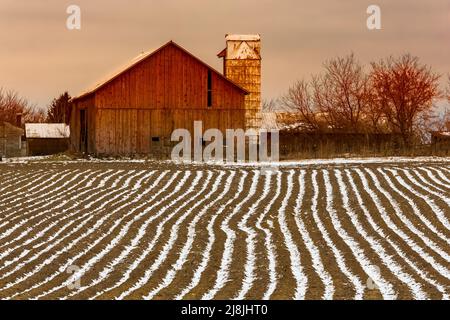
284, 121
141, 58
441, 134
47, 130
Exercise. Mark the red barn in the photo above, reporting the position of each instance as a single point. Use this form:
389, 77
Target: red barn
136, 110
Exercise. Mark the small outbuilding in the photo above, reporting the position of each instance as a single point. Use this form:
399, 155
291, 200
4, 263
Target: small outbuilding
11, 141
47, 138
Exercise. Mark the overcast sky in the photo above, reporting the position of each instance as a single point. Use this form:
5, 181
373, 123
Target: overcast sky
40, 57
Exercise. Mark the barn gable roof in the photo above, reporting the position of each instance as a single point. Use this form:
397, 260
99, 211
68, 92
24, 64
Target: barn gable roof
11, 128
144, 56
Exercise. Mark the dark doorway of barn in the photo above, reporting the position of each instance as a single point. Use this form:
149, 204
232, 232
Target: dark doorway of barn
83, 131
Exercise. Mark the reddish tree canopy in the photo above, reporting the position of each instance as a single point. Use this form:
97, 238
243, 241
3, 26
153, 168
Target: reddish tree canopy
405, 89
11, 104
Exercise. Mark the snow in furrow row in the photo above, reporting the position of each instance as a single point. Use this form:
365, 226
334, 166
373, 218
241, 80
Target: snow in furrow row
436, 183
425, 185
97, 225
354, 279
268, 241
10, 180
207, 251
93, 192
55, 255
37, 210
300, 277
442, 175
38, 191
24, 221
430, 202
36, 179
383, 285
76, 212
173, 234
56, 234
14, 244
393, 226
428, 224
142, 231
121, 233
222, 276
154, 216
32, 202
160, 228
47, 182
388, 262
184, 252
309, 243
249, 268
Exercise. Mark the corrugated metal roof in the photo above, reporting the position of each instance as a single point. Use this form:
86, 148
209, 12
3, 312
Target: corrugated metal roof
441, 134
284, 121
47, 130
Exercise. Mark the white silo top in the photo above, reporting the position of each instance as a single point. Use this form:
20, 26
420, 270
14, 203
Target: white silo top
243, 37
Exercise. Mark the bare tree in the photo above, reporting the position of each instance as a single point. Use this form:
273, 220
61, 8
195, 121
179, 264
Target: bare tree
446, 120
426, 122
374, 116
343, 94
406, 90
11, 104
300, 98
442, 122
270, 105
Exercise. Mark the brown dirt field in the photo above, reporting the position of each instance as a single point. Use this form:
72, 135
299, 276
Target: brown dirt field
122, 226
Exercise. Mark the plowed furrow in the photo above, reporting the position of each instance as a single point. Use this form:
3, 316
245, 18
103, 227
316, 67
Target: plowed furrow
158, 230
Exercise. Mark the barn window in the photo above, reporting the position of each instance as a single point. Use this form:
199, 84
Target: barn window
155, 139
209, 88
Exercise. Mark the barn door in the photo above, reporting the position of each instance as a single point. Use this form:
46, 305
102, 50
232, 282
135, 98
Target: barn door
83, 131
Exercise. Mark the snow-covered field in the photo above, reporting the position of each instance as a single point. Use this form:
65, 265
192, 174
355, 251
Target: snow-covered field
323, 229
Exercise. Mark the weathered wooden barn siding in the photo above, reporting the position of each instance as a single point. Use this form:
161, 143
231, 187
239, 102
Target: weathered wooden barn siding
11, 140
88, 105
39, 146
165, 91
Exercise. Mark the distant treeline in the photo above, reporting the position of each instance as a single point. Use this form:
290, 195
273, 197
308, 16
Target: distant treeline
394, 95
14, 107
